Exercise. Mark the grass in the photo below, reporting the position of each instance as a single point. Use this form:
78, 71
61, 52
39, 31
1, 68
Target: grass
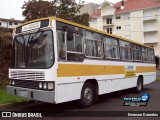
158, 78
6, 98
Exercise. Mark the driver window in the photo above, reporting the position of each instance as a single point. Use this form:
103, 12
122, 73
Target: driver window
61, 45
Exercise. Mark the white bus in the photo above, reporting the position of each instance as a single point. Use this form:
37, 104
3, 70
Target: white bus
56, 61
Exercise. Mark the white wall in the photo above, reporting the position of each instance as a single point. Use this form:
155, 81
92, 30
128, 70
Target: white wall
6, 24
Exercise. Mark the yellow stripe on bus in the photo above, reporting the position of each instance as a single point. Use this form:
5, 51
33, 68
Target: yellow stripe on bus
143, 69
69, 70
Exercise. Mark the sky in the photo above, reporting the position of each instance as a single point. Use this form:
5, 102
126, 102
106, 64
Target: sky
12, 8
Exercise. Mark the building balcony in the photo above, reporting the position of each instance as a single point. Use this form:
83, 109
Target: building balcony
150, 42
107, 16
146, 19
108, 25
149, 31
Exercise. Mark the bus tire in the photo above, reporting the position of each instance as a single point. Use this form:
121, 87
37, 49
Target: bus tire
139, 86
87, 95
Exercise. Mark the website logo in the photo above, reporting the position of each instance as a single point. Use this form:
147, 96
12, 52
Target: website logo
137, 101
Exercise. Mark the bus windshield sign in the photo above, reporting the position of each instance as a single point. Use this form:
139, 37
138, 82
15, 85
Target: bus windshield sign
31, 26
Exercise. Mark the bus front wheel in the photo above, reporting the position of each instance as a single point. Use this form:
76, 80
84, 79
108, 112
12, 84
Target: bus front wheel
139, 86
87, 95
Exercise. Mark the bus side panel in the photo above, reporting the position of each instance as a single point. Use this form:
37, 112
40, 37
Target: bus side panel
149, 79
68, 92
113, 85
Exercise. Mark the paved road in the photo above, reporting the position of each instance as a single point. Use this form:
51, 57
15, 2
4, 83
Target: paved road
109, 102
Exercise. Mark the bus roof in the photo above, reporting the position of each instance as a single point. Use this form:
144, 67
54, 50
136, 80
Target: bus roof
82, 26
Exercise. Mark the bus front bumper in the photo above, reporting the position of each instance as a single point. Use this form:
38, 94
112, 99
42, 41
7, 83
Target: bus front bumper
40, 95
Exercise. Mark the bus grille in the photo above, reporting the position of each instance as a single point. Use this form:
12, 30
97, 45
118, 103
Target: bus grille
27, 75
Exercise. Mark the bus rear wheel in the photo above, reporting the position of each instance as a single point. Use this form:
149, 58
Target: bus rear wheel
139, 86
87, 95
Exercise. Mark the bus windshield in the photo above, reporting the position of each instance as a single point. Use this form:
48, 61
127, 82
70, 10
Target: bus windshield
33, 50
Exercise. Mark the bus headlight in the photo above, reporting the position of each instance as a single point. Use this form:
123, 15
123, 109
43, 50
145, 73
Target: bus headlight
40, 85
13, 83
50, 85
45, 85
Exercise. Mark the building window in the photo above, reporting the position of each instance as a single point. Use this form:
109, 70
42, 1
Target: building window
0, 23
127, 27
149, 37
118, 17
109, 30
148, 15
118, 27
15, 23
109, 20
127, 17
148, 26
10, 23
94, 20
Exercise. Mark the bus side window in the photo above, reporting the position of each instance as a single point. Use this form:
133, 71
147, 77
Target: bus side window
111, 48
93, 48
145, 54
88, 47
78, 43
61, 45
151, 55
74, 48
136, 52
126, 50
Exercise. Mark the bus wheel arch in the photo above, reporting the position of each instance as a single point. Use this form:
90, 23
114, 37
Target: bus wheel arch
90, 85
139, 86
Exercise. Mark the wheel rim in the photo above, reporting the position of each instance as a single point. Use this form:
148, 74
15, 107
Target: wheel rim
139, 86
88, 95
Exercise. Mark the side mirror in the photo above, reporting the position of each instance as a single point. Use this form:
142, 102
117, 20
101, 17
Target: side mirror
157, 61
70, 34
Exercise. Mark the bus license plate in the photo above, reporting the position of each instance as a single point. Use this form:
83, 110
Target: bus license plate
23, 93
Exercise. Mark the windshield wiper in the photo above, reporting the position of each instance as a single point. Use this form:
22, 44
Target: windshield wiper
34, 36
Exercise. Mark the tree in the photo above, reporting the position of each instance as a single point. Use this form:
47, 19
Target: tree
34, 9
66, 9
85, 17
5, 54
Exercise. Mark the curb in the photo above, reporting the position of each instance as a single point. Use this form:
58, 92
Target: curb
8, 105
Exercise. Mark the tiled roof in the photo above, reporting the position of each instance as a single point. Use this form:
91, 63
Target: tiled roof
130, 5
96, 14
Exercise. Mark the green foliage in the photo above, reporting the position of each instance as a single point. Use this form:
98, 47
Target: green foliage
158, 78
65, 9
34, 9
5, 98
5, 55
81, 19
